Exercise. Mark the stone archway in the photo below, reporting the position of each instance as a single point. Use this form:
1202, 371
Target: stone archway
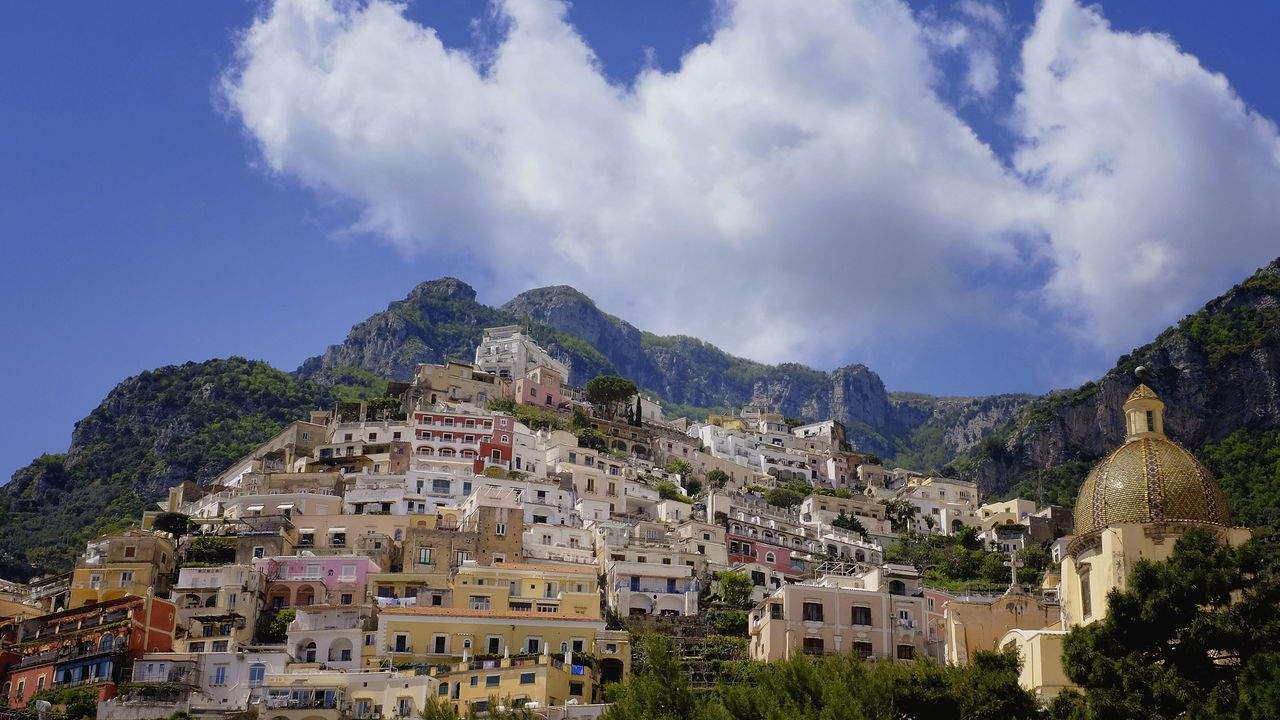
611, 670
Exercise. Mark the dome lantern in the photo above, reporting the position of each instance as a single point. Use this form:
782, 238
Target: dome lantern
1144, 414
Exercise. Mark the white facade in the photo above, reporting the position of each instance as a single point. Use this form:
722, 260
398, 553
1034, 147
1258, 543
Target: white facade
330, 637
510, 354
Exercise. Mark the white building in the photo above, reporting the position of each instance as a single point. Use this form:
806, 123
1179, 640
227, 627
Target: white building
510, 354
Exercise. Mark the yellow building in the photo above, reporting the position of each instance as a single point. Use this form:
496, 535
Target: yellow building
1134, 505
129, 562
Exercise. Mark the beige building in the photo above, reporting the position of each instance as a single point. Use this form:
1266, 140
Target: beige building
129, 562
455, 382
218, 607
879, 614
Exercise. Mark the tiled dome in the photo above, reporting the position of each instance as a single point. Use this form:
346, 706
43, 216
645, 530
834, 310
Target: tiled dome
1149, 478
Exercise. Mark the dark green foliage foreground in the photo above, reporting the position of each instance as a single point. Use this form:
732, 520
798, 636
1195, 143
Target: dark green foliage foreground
1175, 645
153, 431
831, 688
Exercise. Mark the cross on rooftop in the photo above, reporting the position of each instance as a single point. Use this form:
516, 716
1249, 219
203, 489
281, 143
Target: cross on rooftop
1013, 564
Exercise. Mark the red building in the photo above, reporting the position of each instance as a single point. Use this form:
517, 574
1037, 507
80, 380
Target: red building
484, 439
89, 646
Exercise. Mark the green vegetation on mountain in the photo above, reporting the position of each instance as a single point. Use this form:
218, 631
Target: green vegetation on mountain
1250, 321
153, 431
1247, 466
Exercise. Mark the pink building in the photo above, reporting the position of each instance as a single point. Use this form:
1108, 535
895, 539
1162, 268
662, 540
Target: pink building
541, 388
301, 581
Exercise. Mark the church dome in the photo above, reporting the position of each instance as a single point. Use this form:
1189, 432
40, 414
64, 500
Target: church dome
1149, 478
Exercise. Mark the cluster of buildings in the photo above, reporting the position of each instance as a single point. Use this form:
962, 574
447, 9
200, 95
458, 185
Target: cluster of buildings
360, 566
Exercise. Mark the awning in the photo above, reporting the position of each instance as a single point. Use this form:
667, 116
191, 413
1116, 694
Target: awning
254, 508
337, 530
285, 506
307, 531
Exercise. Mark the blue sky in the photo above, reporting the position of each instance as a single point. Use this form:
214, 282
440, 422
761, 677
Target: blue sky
968, 197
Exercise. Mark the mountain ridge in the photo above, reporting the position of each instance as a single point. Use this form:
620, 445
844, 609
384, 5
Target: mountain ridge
441, 319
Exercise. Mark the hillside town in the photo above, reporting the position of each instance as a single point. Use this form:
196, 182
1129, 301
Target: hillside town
491, 534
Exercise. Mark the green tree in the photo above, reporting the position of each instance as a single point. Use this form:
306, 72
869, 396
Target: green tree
680, 467
783, 497
717, 479
276, 627
692, 485
900, 514
607, 391
735, 588
592, 439
579, 420
848, 522
1175, 645
174, 523
658, 688
668, 490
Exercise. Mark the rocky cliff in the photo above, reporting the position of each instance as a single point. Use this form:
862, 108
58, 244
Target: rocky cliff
1218, 372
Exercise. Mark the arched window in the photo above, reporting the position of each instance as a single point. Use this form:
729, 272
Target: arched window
104, 643
769, 557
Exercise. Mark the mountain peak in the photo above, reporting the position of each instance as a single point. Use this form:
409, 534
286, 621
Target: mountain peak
450, 288
549, 295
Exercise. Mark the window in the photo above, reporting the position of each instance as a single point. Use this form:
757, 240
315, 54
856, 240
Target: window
861, 615
813, 612
259, 551
424, 555
906, 652
533, 645
40, 683
131, 551
218, 646
775, 611
220, 675
440, 642
528, 678
479, 602
1086, 597
444, 689
348, 573
863, 649
492, 680
812, 646
575, 688
769, 557
501, 529
404, 706
577, 645
126, 578
346, 599
499, 558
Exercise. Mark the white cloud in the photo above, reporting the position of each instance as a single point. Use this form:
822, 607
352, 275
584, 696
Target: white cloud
796, 189
983, 12
1164, 187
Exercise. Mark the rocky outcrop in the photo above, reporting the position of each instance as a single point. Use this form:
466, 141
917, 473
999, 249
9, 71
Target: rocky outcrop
1217, 371
438, 320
